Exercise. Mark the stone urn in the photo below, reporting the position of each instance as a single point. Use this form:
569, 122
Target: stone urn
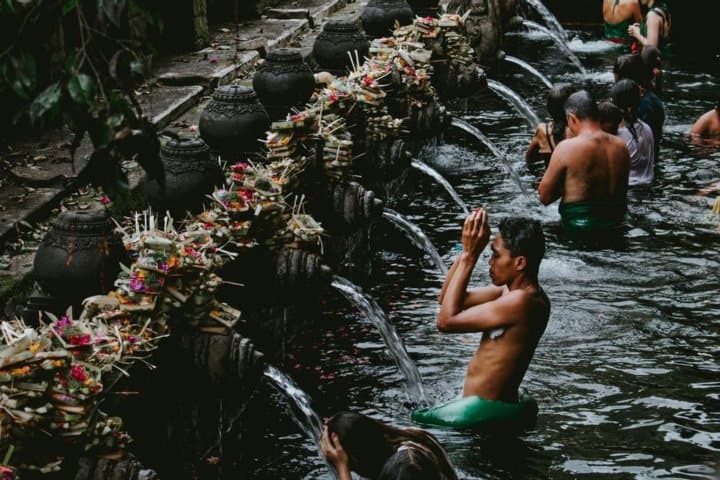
283, 81
339, 37
379, 16
80, 256
190, 174
424, 8
233, 122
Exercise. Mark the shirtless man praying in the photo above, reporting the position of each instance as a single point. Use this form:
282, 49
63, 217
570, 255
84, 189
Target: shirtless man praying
512, 314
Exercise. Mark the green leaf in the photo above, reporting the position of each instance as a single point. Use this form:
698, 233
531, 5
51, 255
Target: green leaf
7, 7
69, 6
112, 10
82, 89
22, 75
47, 103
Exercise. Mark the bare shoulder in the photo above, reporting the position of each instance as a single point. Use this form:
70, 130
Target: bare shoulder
526, 300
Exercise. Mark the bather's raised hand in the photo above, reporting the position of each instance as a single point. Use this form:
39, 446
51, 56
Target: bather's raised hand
476, 232
336, 454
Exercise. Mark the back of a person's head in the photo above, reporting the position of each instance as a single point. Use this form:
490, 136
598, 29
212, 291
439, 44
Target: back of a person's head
410, 463
556, 98
582, 105
364, 440
651, 56
524, 237
609, 115
626, 94
631, 66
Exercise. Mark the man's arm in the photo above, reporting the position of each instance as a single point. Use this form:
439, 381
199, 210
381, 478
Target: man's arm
475, 237
473, 296
551, 185
499, 313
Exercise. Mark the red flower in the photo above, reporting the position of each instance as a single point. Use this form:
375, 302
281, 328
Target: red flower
78, 373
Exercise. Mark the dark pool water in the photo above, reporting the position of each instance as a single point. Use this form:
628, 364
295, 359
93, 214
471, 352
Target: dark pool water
627, 374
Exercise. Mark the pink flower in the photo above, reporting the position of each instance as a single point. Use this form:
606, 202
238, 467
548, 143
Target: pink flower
62, 323
105, 200
79, 340
245, 194
78, 373
137, 285
164, 267
213, 61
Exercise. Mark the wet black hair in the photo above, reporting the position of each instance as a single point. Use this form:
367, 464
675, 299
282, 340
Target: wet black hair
631, 66
410, 464
626, 95
582, 105
370, 443
556, 98
610, 113
524, 237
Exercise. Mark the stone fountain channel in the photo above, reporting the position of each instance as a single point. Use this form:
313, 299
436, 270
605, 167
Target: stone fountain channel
283, 288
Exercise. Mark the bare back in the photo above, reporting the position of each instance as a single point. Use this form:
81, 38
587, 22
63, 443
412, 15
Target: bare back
499, 364
592, 166
621, 11
708, 125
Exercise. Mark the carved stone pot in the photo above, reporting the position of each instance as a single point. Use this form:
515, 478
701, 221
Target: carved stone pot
379, 16
283, 81
233, 121
190, 173
340, 36
424, 7
80, 256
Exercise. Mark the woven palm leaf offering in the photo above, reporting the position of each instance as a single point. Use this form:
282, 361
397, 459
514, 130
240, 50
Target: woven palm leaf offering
305, 229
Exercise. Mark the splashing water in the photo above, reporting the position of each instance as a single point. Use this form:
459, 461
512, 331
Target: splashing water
437, 176
355, 295
478, 135
515, 100
417, 237
560, 43
549, 19
529, 68
301, 412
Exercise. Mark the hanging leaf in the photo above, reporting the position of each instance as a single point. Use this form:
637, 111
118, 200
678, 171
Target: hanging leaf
46, 104
82, 89
7, 7
112, 10
69, 6
21, 75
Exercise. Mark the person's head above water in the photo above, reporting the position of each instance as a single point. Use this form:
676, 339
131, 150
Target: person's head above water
556, 98
409, 464
580, 107
626, 95
610, 117
518, 249
370, 443
631, 66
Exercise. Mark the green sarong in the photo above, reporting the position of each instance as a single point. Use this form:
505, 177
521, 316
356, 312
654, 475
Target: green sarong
592, 215
618, 32
476, 412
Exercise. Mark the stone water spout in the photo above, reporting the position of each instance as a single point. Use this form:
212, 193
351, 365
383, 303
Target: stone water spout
227, 361
354, 203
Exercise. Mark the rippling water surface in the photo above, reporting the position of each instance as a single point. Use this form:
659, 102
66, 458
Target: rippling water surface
627, 374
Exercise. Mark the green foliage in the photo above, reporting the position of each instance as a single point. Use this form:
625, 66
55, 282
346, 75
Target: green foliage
92, 89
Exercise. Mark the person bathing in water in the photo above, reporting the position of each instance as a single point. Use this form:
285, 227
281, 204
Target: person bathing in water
512, 315
589, 173
654, 29
707, 127
549, 134
618, 15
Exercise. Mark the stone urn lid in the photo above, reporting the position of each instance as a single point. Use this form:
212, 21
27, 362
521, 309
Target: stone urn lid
285, 55
234, 94
91, 221
184, 149
342, 24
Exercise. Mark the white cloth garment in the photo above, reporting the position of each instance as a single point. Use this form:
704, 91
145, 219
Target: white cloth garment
642, 153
